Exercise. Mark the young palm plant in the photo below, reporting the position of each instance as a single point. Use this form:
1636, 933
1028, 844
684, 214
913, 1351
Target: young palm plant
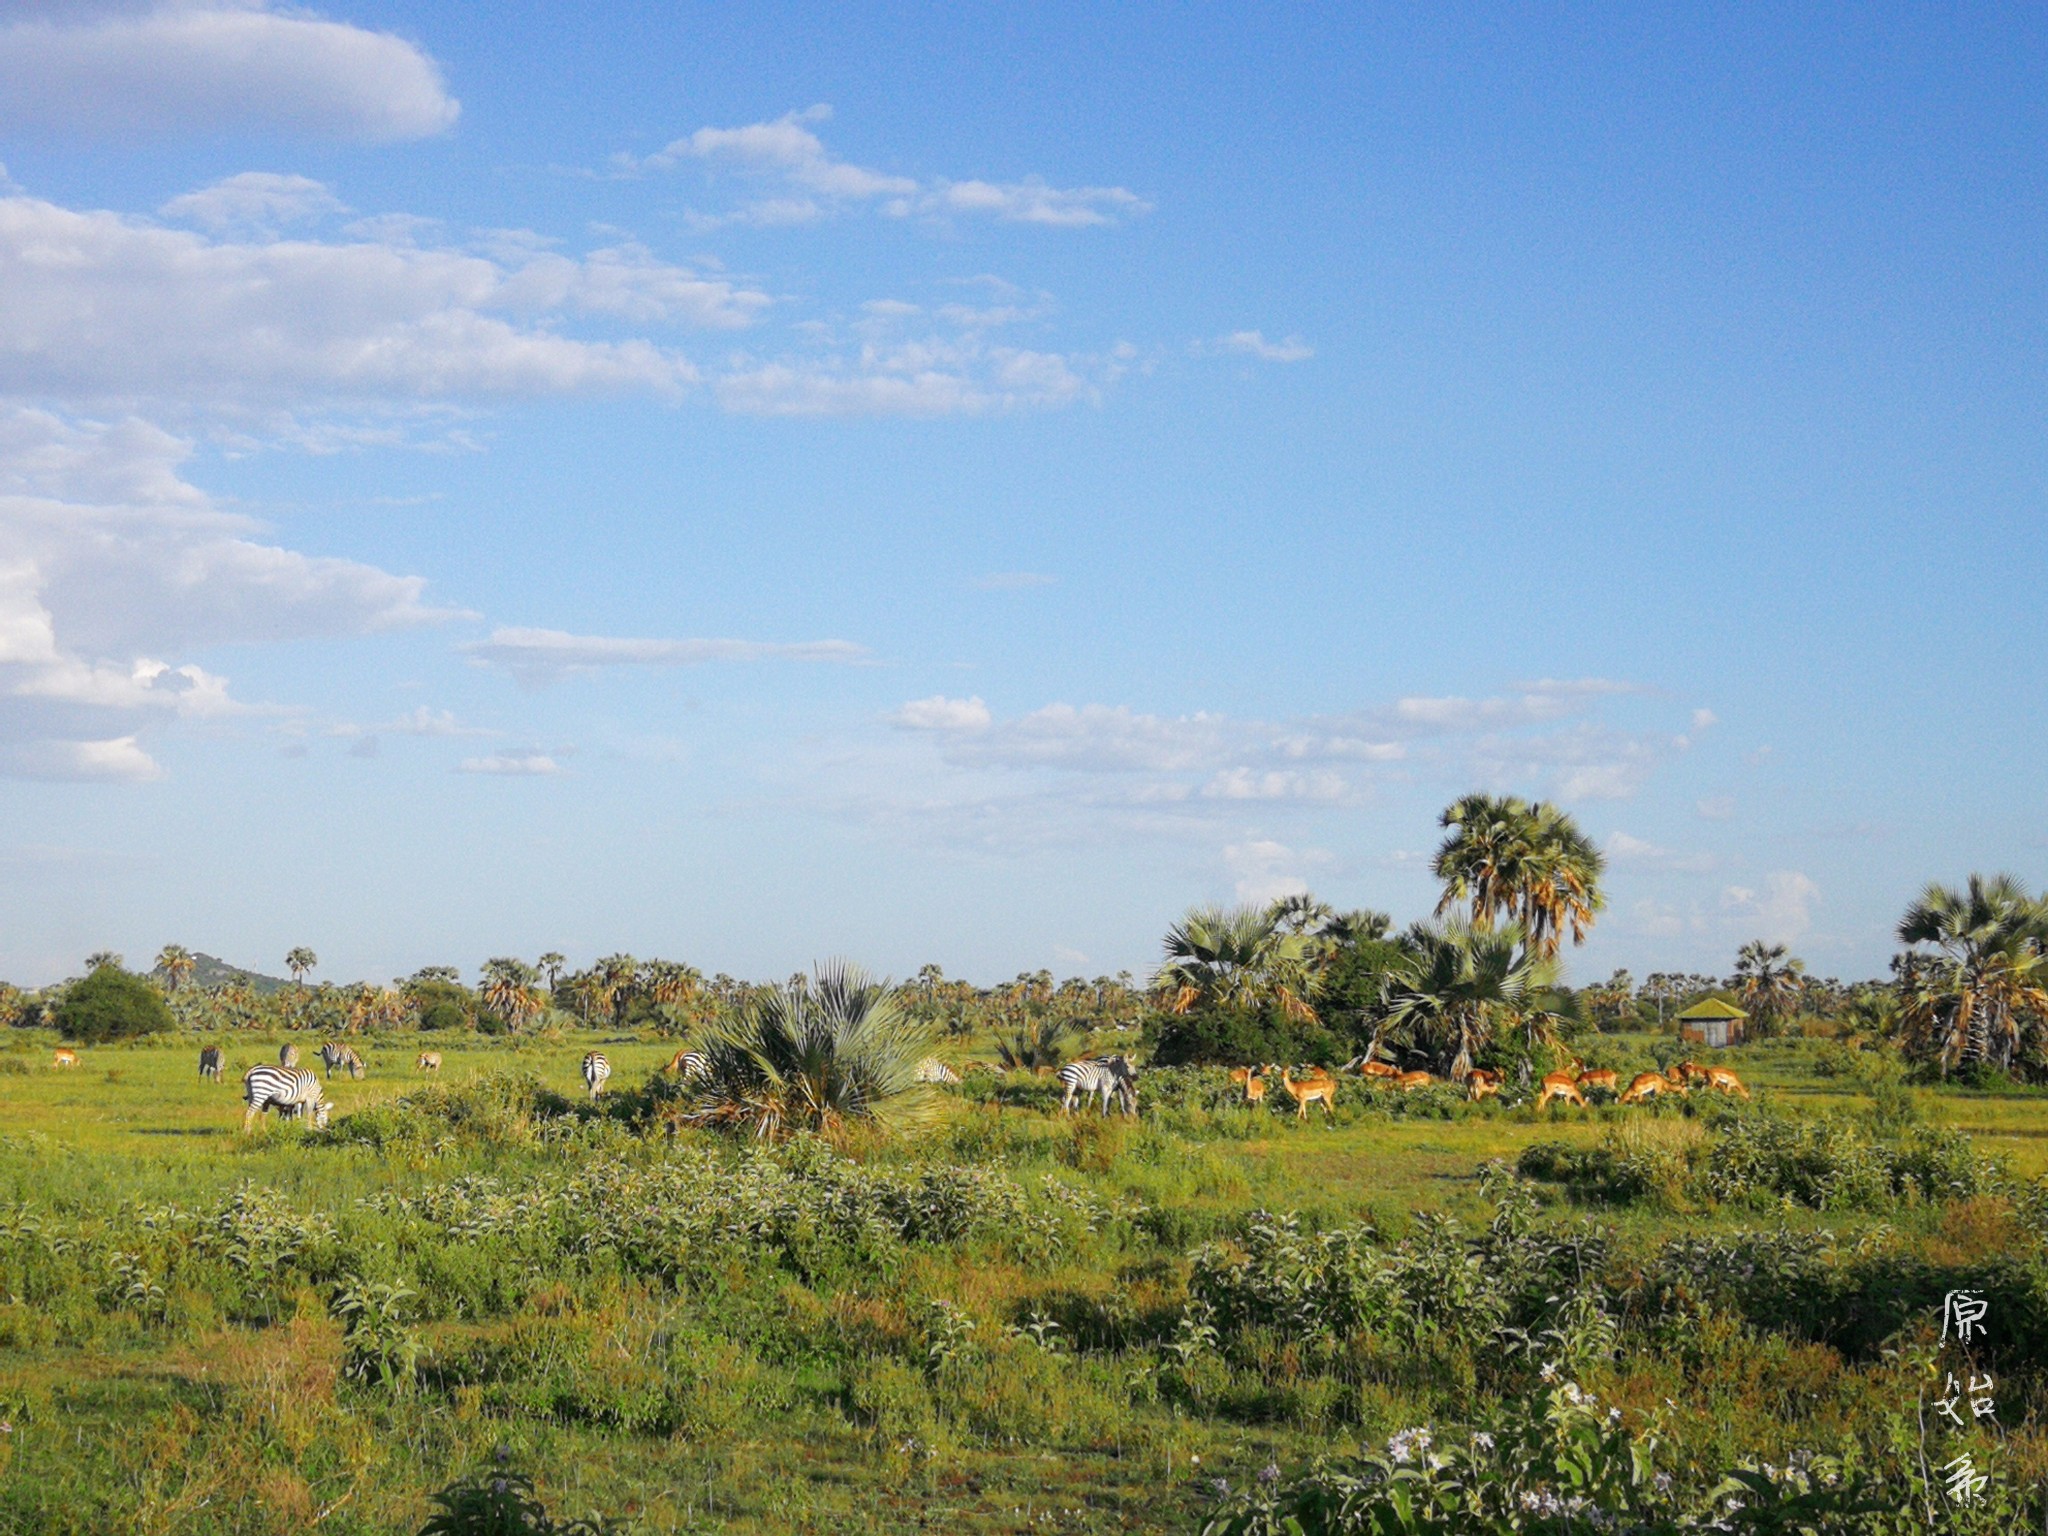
820, 1054
1462, 986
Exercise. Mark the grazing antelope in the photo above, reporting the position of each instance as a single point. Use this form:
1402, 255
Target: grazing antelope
1600, 1080
1408, 1082
1649, 1085
595, 1070
1482, 1084
211, 1060
1560, 1087
688, 1064
288, 1056
341, 1058
969, 1068
1253, 1081
1368, 1067
1319, 1085
430, 1061
1105, 1077
933, 1070
65, 1057
1721, 1080
292, 1091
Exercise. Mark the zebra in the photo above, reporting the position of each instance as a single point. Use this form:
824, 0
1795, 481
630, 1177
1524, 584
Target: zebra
1104, 1077
341, 1058
595, 1070
933, 1070
211, 1060
689, 1064
291, 1091
289, 1056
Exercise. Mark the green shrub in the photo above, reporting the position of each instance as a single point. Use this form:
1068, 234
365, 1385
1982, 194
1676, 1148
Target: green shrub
111, 1004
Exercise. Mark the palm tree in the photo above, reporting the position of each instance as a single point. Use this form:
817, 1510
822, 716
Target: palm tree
102, 959
1769, 978
299, 961
1459, 986
551, 965
508, 991
1977, 1000
176, 962
1237, 957
1510, 860
818, 1056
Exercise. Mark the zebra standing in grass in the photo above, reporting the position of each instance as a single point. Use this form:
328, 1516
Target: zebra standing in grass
289, 1056
933, 1070
211, 1060
1104, 1077
595, 1070
689, 1065
341, 1058
291, 1091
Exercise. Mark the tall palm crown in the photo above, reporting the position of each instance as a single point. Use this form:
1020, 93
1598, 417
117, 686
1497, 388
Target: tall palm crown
1458, 986
1236, 957
1988, 989
1513, 861
508, 990
299, 961
1770, 977
176, 962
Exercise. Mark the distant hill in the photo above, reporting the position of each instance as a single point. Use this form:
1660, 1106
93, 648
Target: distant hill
209, 972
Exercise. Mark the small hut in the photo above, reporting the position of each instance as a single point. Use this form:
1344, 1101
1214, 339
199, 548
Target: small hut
1712, 1022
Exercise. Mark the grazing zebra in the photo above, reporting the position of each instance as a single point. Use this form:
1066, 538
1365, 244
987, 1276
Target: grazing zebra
933, 1070
595, 1070
430, 1061
289, 1056
211, 1060
689, 1064
341, 1058
291, 1091
1104, 1077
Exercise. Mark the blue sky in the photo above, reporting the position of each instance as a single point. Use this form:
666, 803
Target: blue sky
749, 485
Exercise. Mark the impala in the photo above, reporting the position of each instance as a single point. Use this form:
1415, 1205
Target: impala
1560, 1087
1308, 1090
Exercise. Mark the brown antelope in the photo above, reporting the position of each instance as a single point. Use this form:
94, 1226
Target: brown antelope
430, 1061
1253, 1081
1368, 1067
1600, 1078
1482, 1084
65, 1057
1319, 1085
1649, 1085
1560, 1087
1688, 1072
1721, 1080
1408, 1082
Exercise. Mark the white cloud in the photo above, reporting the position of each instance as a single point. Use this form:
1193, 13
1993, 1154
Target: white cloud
1625, 849
537, 657
1267, 871
512, 764
1274, 784
958, 376
939, 713
110, 562
95, 306
255, 200
1704, 719
201, 67
1292, 349
788, 152
1716, 808
1781, 913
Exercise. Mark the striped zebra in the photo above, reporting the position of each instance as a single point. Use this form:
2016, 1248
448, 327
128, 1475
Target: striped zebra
291, 1091
1103, 1077
595, 1070
689, 1064
211, 1060
341, 1058
289, 1056
933, 1070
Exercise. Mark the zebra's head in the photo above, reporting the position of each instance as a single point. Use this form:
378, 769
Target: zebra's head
320, 1114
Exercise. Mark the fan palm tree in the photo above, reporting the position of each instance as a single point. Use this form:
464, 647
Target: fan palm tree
1459, 986
299, 961
1769, 977
1977, 1000
102, 959
818, 1055
1509, 860
176, 962
1559, 889
551, 965
508, 990
1237, 957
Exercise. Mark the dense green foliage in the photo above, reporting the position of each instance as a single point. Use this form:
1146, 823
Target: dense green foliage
111, 1004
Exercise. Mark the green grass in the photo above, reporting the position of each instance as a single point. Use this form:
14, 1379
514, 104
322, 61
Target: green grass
802, 1382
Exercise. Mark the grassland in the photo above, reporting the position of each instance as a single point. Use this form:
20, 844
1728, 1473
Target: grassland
998, 1328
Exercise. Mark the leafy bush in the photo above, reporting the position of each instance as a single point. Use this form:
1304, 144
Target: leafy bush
111, 1004
504, 1504
1235, 1037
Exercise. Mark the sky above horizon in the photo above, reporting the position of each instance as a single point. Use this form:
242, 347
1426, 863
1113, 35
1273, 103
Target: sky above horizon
963, 485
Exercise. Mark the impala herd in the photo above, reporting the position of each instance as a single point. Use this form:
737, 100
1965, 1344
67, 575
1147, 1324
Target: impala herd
1310, 1085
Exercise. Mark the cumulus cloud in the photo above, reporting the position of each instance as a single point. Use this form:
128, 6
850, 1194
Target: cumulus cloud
111, 564
1292, 349
1781, 912
95, 306
811, 182
255, 200
937, 376
939, 713
1267, 871
538, 657
211, 66
512, 764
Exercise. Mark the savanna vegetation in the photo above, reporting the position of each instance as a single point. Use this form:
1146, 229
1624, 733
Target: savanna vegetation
797, 1285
